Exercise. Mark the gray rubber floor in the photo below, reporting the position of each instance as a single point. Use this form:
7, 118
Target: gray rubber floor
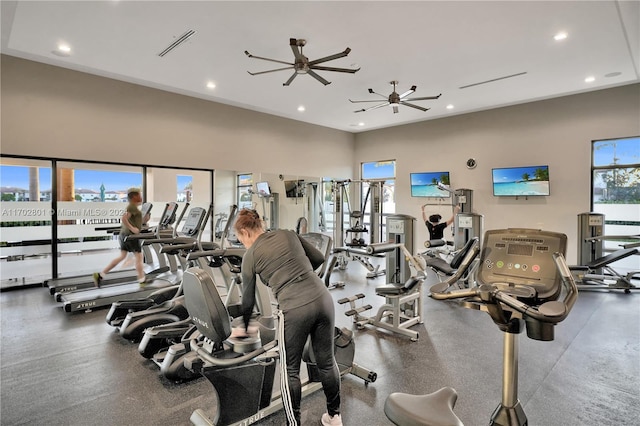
73, 369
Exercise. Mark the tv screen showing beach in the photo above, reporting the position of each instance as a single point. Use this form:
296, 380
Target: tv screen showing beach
426, 184
521, 181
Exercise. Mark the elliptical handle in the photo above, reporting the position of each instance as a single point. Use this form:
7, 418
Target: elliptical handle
552, 311
229, 252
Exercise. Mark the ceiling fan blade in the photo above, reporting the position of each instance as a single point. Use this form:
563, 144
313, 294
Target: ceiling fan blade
408, 92
395, 109
352, 71
376, 93
317, 77
414, 106
377, 106
425, 98
267, 59
288, 82
371, 100
297, 51
331, 57
265, 72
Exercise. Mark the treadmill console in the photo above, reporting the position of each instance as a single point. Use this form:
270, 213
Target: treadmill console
169, 214
522, 259
194, 221
146, 209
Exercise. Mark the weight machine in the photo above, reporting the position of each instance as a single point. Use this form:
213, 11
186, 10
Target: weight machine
350, 242
467, 224
594, 271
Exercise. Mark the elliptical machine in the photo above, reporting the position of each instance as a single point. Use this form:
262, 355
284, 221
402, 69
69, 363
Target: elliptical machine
245, 367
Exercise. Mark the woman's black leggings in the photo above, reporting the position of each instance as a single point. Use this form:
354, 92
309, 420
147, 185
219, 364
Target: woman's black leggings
315, 319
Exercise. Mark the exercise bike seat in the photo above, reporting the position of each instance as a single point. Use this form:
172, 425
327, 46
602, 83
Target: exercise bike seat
399, 289
434, 409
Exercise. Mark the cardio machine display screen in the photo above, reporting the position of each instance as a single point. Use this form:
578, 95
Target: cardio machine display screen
520, 250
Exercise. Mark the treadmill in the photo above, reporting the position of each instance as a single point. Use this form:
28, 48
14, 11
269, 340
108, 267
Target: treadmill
58, 286
86, 280
86, 300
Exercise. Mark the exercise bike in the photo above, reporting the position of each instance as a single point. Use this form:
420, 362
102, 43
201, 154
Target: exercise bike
521, 276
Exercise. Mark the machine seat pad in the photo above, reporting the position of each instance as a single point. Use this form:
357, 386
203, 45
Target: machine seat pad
440, 265
610, 258
398, 289
434, 409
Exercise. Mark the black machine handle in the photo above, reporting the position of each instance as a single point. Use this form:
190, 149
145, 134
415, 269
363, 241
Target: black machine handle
176, 240
229, 362
230, 252
175, 247
549, 312
145, 234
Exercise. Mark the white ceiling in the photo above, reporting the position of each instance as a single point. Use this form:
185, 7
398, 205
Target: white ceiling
437, 46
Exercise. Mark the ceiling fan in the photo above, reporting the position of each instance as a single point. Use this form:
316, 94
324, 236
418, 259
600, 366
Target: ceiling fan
394, 100
302, 64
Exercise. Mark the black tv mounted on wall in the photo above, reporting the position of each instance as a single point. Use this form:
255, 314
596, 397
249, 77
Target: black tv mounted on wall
294, 188
526, 181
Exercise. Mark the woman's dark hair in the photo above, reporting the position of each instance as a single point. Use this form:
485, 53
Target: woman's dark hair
248, 219
435, 218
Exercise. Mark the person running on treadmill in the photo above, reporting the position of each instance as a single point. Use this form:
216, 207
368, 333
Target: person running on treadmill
436, 229
132, 222
286, 263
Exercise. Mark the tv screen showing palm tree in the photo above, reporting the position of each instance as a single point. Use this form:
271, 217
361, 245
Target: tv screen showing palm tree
430, 184
521, 181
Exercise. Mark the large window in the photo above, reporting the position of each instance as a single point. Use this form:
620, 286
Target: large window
384, 174
616, 189
55, 213
25, 222
244, 184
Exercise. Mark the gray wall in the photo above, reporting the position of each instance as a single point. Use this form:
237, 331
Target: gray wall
557, 132
54, 112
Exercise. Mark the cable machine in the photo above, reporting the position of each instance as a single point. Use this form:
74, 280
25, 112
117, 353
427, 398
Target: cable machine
466, 224
350, 243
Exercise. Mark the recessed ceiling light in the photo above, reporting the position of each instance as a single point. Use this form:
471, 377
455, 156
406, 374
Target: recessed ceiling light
449, 106
361, 124
211, 85
560, 36
62, 50
301, 108
590, 79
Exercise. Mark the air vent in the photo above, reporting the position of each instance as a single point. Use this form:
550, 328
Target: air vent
493, 79
184, 37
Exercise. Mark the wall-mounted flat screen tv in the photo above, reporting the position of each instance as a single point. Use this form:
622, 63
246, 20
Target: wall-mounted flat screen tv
294, 188
427, 184
521, 181
263, 189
